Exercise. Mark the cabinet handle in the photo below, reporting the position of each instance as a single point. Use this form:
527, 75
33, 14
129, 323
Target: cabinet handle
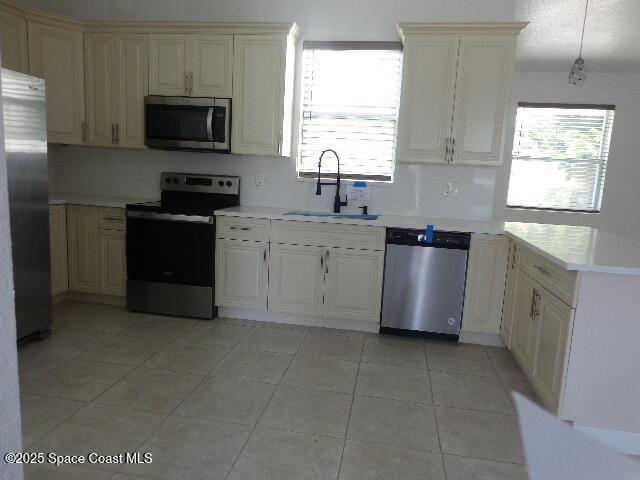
326, 264
542, 269
190, 83
84, 132
533, 297
453, 149
264, 256
186, 82
113, 133
446, 150
280, 144
117, 134
113, 219
536, 299
322, 261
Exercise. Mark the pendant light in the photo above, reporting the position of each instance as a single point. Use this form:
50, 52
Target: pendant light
577, 75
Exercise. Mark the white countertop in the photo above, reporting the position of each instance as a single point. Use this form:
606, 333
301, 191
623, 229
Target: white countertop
93, 201
578, 248
389, 221
584, 249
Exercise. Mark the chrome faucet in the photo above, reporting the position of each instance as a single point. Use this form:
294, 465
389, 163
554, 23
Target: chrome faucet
337, 203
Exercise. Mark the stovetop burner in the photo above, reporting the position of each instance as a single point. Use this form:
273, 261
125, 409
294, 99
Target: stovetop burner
188, 194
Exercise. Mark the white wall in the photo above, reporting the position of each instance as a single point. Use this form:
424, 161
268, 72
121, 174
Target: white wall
621, 195
10, 429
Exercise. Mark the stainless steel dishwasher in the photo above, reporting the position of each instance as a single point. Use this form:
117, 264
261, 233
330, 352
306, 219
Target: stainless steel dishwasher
424, 282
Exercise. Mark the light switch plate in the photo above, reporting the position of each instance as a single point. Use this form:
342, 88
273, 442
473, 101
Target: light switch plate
259, 178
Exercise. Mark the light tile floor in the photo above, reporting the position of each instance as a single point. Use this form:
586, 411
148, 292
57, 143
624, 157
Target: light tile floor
232, 399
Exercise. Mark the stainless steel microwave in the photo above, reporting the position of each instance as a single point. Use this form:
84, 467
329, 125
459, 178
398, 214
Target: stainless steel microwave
185, 123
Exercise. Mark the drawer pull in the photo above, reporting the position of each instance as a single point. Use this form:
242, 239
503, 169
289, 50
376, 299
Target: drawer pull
114, 219
542, 269
241, 228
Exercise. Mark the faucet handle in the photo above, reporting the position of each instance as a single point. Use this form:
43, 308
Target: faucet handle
365, 210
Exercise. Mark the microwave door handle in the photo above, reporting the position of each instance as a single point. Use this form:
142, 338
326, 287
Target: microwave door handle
210, 124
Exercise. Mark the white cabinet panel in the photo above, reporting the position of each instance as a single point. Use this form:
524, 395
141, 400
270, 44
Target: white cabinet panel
484, 74
258, 94
484, 289
13, 42
426, 103
58, 249
168, 65
112, 262
552, 328
82, 248
55, 54
132, 85
241, 274
353, 284
296, 279
508, 306
211, 65
99, 64
522, 330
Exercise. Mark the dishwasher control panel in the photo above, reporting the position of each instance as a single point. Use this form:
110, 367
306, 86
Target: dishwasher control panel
418, 238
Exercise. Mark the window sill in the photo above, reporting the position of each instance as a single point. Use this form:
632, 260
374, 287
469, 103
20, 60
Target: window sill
377, 183
552, 210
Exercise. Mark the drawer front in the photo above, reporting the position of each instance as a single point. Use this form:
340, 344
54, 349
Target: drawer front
330, 235
237, 228
560, 282
111, 219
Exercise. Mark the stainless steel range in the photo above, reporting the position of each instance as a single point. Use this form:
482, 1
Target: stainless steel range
171, 245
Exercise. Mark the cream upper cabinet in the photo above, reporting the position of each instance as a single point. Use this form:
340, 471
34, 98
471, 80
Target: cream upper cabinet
296, 279
241, 273
211, 65
13, 41
426, 103
484, 289
82, 237
55, 54
454, 85
112, 262
116, 84
262, 94
58, 249
485, 64
353, 282
197, 65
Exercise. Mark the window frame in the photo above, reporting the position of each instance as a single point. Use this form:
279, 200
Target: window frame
344, 46
602, 165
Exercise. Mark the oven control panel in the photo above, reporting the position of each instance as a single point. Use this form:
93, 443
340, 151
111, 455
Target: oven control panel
185, 182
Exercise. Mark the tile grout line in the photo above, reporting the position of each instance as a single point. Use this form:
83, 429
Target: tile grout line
353, 397
253, 429
435, 417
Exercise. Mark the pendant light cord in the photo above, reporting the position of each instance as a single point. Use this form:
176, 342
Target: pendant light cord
584, 23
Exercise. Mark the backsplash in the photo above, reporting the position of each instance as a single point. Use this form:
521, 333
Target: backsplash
417, 190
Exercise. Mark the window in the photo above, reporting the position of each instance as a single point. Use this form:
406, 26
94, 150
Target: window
560, 156
350, 97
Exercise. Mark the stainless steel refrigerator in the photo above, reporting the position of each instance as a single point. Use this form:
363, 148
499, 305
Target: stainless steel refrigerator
25, 142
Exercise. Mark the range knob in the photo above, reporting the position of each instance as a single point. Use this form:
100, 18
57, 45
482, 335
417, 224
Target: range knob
229, 183
167, 180
175, 180
221, 183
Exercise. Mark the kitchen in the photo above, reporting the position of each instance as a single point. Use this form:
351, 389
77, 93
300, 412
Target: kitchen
288, 281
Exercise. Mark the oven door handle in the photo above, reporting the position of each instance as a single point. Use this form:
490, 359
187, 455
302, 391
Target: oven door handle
171, 217
210, 124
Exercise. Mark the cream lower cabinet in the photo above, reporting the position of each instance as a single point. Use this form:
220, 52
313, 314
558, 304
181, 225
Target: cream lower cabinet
522, 329
485, 285
58, 249
508, 305
241, 273
96, 250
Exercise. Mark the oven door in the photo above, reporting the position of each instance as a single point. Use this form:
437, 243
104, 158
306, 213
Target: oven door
167, 248
187, 123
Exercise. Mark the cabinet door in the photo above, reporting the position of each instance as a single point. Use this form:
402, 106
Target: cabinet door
484, 74
82, 248
58, 249
296, 279
258, 94
522, 330
13, 39
241, 274
132, 84
55, 54
112, 262
484, 289
168, 65
100, 62
353, 284
211, 65
426, 103
513, 262
552, 327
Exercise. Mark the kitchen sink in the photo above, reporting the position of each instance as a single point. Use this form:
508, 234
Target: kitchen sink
358, 216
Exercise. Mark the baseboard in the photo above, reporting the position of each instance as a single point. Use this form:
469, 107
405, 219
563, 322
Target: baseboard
60, 297
491, 339
617, 440
295, 319
116, 300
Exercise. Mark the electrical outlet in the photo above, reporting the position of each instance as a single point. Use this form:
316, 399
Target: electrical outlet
450, 189
139, 174
259, 177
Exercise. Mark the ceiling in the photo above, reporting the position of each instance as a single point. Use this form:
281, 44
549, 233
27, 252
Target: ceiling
552, 40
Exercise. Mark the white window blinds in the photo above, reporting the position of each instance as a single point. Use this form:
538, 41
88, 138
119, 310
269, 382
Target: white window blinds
560, 156
350, 104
